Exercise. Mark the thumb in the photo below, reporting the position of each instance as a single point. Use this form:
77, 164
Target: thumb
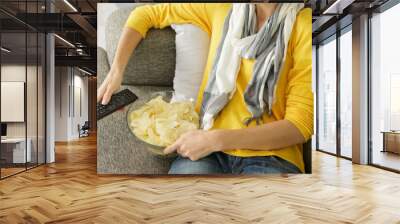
107, 96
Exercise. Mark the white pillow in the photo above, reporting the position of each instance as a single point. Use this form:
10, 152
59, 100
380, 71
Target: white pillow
192, 46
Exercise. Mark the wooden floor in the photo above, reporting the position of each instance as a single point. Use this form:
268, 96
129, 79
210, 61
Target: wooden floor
69, 191
5, 172
9, 171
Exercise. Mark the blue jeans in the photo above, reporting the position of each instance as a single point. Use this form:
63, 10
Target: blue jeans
221, 163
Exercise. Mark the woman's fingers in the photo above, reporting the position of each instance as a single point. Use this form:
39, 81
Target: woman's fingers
103, 87
100, 93
172, 148
107, 96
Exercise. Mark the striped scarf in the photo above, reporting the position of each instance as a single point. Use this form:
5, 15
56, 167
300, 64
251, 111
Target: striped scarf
241, 39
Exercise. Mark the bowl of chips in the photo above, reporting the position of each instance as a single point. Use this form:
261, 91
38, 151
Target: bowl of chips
161, 119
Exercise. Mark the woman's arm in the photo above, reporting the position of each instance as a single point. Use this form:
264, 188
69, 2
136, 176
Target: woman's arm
162, 15
296, 126
129, 40
274, 135
198, 144
139, 22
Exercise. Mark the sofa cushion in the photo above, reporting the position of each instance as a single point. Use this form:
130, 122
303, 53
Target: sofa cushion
118, 151
192, 45
153, 61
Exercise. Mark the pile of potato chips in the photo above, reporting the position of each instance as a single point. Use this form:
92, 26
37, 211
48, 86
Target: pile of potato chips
161, 123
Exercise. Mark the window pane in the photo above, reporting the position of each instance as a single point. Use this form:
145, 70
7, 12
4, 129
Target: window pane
346, 94
22, 87
15, 150
327, 97
385, 84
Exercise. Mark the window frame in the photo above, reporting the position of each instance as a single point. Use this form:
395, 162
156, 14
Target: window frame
27, 29
334, 37
381, 9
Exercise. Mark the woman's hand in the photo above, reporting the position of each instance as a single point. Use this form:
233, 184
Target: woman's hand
128, 41
195, 144
109, 86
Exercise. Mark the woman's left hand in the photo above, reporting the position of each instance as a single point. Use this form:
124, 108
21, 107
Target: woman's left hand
195, 144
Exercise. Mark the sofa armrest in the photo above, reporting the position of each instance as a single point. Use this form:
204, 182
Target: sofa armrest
153, 61
103, 66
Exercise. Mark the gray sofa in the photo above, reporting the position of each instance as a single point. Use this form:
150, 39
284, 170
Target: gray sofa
150, 69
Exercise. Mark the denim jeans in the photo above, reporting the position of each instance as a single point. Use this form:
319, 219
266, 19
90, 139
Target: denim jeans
221, 163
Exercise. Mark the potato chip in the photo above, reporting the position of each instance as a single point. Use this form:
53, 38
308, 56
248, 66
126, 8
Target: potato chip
161, 123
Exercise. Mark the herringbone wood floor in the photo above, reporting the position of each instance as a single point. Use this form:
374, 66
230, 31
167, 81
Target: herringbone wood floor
69, 191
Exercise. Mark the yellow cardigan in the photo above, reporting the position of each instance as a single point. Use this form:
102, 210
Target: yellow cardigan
294, 98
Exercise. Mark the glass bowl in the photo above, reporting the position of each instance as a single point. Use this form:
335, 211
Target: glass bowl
167, 96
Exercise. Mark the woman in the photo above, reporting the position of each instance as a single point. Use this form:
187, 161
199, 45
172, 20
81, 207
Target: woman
255, 101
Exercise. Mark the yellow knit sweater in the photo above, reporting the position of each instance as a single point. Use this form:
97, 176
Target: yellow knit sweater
294, 98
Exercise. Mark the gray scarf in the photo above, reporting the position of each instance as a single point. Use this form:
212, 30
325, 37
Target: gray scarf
241, 39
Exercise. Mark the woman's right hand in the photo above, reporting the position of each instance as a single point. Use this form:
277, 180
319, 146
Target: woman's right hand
129, 39
110, 85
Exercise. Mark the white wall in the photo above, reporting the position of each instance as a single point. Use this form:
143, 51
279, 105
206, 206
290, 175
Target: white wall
33, 127
66, 101
16, 73
81, 84
61, 103
12, 101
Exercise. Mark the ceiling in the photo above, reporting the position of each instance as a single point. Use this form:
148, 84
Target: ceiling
76, 20
16, 43
330, 16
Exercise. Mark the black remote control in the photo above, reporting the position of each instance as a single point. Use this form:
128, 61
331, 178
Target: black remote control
117, 101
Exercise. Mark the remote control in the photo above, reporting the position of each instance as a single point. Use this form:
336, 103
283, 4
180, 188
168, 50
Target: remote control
117, 101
